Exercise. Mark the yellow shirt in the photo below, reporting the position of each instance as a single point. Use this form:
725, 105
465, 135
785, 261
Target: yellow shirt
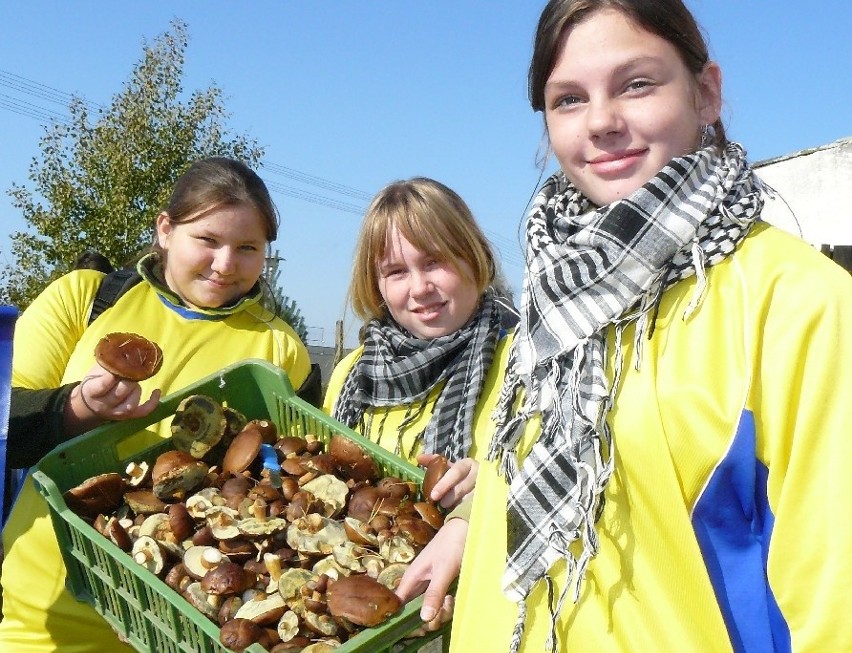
53, 347
727, 517
385, 422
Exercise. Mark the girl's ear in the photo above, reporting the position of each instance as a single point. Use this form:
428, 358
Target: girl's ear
710, 93
164, 228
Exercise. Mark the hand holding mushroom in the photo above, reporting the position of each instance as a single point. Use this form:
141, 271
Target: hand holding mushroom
447, 483
111, 390
434, 570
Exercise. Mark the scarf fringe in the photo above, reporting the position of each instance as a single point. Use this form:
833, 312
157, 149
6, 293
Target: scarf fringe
698, 261
518, 630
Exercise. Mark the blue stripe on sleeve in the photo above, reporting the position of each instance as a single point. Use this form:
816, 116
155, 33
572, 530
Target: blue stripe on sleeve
733, 525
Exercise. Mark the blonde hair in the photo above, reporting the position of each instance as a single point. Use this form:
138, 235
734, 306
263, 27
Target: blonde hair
433, 218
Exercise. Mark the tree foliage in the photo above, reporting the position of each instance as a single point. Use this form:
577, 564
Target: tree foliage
100, 180
278, 302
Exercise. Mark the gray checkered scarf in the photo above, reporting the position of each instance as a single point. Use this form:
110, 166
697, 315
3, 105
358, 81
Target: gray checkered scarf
590, 268
397, 369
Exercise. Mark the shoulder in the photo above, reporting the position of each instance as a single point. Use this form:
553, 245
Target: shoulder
69, 297
84, 282
338, 377
777, 265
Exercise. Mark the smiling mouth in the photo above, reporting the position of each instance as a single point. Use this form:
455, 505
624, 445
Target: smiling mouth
615, 157
615, 164
432, 308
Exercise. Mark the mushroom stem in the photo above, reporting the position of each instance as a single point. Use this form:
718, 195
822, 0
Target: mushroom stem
211, 558
134, 470
273, 565
258, 509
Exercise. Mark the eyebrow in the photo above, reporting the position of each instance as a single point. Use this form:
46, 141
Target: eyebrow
620, 69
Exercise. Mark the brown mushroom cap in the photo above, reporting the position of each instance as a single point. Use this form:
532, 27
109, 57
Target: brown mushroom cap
238, 634
392, 486
243, 450
434, 472
177, 577
267, 429
227, 578
362, 600
180, 521
99, 494
351, 460
129, 356
117, 533
177, 473
291, 445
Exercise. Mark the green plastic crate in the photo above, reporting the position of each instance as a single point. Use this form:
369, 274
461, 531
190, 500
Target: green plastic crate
148, 613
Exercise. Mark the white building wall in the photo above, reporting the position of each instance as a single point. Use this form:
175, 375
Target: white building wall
816, 185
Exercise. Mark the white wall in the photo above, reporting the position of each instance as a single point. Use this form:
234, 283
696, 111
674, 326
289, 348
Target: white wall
817, 185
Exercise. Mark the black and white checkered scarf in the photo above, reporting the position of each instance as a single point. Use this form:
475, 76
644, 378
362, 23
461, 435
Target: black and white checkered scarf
589, 268
397, 369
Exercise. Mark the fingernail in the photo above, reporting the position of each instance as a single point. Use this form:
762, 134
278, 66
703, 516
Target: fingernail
427, 614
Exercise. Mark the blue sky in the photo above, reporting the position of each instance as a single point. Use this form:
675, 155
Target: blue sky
348, 96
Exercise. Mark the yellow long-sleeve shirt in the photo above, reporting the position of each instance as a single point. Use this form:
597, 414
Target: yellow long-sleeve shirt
726, 522
385, 422
53, 347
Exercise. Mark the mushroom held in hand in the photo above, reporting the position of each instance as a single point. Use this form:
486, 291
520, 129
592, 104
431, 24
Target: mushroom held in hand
129, 356
434, 472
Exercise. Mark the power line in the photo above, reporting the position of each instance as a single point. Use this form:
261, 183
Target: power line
314, 198
51, 94
304, 177
30, 110
42, 91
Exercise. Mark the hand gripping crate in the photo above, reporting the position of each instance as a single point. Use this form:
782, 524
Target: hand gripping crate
138, 605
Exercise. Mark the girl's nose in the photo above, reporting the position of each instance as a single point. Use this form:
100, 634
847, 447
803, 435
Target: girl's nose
603, 117
224, 262
421, 284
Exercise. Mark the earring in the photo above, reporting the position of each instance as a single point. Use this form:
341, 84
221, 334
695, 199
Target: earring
708, 135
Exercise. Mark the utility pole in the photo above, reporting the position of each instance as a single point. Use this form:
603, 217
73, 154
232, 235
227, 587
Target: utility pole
338, 341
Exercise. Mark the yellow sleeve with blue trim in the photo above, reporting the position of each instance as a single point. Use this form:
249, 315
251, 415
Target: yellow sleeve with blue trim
724, 527
53, 347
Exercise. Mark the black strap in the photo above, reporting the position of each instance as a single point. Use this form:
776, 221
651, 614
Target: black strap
113, 286
311, 390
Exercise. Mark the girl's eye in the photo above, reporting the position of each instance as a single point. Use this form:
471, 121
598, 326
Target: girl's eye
566, 101
390, 273
639, 85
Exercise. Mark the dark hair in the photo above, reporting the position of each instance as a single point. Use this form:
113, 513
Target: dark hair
668, 19
92, 260
218, 182
433, 218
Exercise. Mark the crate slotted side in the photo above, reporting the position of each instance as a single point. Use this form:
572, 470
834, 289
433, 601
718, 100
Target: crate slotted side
151, 616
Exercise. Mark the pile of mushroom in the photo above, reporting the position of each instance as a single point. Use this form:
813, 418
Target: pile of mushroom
287, 541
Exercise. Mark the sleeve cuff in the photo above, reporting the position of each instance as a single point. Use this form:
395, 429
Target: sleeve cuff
461, 511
